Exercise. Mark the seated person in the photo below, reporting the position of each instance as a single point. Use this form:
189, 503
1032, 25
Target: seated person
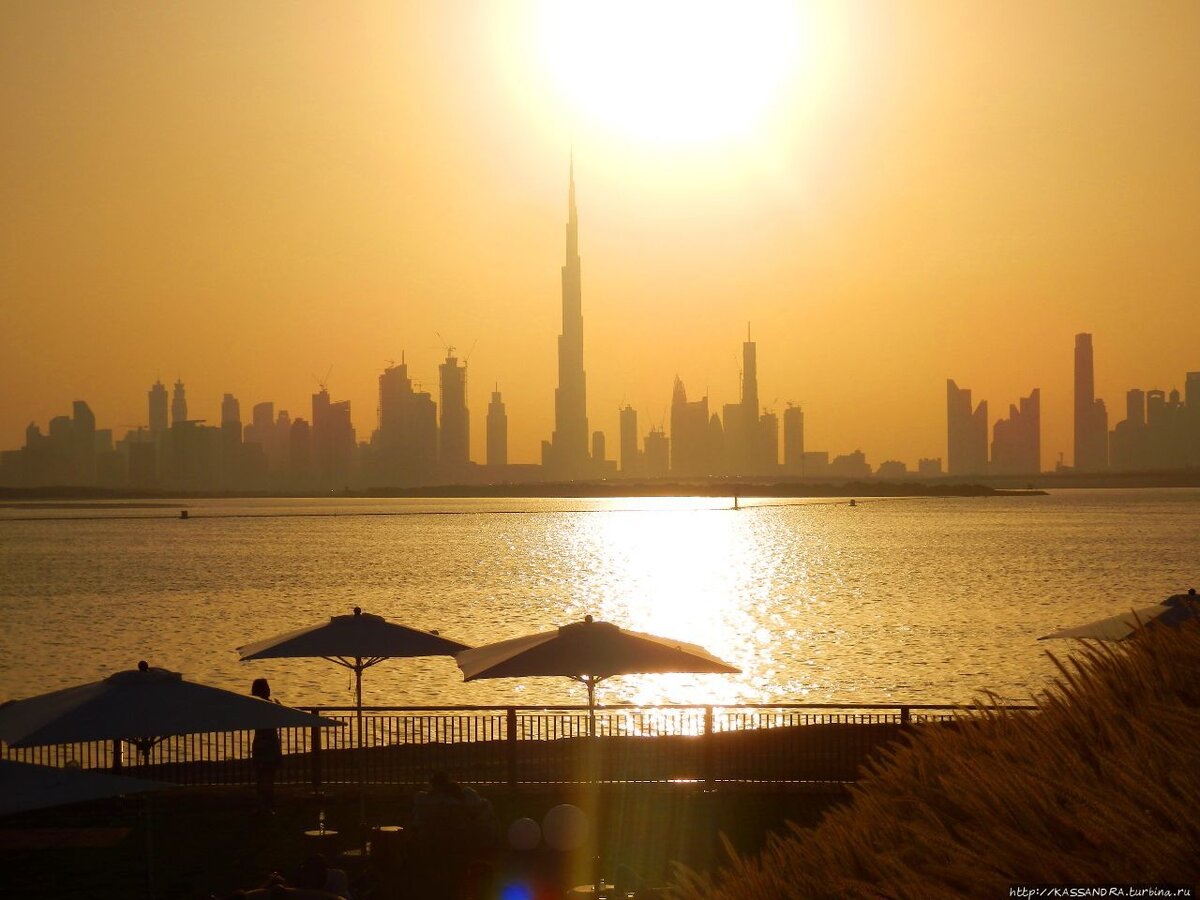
453, 818
277, 888
315, 874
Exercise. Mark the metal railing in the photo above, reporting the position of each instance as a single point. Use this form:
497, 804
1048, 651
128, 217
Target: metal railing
522, 745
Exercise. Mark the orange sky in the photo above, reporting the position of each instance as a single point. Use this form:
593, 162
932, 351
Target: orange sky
247, 194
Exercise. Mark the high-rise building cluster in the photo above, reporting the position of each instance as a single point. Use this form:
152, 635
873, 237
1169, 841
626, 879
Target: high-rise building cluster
1016, 447
1160, 431
422, 441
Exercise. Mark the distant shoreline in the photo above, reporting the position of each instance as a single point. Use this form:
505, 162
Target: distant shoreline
994, 486
43, 497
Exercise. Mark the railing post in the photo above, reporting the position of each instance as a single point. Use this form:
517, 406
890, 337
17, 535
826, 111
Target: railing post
905, 717
316, 758
709, 738
511, 739
117, 764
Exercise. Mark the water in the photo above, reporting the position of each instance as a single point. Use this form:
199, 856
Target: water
925, 600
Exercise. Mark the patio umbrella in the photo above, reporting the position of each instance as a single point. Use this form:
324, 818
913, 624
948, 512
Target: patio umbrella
141, 706
357, 642
24, 786
1172, 611
588, 652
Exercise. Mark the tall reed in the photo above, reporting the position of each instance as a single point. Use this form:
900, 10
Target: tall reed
1101, 784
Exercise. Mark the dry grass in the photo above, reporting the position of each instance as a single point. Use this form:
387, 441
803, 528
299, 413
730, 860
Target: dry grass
1101, 785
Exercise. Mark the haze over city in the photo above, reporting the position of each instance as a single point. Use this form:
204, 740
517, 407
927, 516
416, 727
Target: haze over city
919, 194
599, 448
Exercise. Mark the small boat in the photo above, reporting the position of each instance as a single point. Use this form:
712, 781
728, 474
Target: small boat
853, 502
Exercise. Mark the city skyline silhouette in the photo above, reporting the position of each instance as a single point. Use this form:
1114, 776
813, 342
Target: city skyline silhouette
883, 231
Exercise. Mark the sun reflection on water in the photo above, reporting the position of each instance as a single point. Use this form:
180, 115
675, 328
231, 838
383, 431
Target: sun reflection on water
690, 568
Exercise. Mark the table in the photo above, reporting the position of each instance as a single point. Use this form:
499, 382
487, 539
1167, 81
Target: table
321, 841
589, 890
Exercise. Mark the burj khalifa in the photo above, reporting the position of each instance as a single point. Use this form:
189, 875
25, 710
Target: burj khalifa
565, 455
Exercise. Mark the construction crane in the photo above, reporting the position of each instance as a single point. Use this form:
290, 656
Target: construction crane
322, 382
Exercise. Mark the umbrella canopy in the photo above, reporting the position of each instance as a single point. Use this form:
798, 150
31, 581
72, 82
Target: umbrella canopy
363, 637
357, 642
24, 786
141, 705
589, 652
1171, 611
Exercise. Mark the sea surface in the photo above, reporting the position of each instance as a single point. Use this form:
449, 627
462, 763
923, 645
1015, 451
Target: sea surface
913, 600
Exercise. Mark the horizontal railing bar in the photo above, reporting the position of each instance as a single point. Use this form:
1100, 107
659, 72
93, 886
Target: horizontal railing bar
697, 706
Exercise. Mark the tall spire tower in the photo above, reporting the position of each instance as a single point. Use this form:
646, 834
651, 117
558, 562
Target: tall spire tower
566, 454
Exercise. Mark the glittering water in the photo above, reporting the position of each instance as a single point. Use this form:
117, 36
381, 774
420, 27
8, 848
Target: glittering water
895, 600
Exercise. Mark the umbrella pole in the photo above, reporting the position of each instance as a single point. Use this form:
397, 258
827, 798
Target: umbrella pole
591, 688
362, 796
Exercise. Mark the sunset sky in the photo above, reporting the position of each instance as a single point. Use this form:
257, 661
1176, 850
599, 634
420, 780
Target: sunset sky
251, 195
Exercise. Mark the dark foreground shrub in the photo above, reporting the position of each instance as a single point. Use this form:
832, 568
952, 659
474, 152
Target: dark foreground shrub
1101, 785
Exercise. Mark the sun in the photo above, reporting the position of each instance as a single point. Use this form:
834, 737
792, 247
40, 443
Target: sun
671, 73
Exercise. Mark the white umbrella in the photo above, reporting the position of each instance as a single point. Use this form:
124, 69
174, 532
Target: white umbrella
588, 652
1171, 611
24, 786
141, 706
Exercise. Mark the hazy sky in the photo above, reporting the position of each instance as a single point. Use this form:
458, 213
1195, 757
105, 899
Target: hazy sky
248, 194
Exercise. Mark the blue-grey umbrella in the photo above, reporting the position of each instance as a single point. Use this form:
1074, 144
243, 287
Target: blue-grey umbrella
24, 786
1170, 612
142, 706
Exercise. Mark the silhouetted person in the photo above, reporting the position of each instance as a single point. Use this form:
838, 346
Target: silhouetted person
452, 827
315, 874
266, 753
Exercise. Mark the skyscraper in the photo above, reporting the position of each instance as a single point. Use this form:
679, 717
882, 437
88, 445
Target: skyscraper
629, 440
231, 419
749, 378
231, 441
966, 432
1091, 418
690, 454
1191, 403
178, 403
658, 452
497, 431
406, 443
1017, 440
332, 440
598, 449
767, 446
793, 440
83, 443
1127, 442
454, 436
744, 448
566, 454
158, 408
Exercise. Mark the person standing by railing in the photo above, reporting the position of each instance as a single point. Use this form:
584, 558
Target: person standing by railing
266, 752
